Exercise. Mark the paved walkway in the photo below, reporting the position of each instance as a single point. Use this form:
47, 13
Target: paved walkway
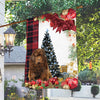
74, 98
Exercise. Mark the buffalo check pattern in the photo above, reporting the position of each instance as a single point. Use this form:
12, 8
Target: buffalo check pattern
32, 41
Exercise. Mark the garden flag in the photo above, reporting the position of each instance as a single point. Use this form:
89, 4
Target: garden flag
51, 60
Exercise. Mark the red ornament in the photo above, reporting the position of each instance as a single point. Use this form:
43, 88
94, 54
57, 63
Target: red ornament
63, 83
56, 82
71, 14
46, 83
33, 82
73, 83
30, 83
39, 81
52, 80
67, 80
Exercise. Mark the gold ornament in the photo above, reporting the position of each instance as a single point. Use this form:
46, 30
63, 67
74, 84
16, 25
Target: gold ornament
64, 12
35, 19
71, 69
60, 79
66, 87
26, 84
33, 86
74, 35
71, 63
75, 72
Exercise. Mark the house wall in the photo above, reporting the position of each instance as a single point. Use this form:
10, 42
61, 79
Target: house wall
2, 14
15, 72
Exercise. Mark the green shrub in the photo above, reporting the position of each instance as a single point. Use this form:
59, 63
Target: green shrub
95, 90
87, 76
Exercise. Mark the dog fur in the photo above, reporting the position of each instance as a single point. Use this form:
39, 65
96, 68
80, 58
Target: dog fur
38, 66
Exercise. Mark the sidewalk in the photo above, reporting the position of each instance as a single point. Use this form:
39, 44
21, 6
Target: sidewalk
75, 98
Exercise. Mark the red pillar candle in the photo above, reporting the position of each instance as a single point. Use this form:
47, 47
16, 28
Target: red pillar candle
90, 65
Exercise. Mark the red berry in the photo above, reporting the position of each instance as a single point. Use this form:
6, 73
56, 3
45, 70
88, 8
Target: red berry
41, 87
39, 81
69, 34
46, 83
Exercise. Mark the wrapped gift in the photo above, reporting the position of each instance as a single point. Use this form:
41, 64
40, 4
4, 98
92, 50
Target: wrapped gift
63, 68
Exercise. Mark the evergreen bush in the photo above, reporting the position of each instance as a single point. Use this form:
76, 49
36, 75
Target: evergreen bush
87, 76
95, 90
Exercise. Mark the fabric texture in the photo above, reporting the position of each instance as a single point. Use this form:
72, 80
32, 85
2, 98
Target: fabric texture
32, 42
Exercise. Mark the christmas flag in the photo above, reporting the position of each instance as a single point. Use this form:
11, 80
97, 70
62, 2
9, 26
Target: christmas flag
51, 60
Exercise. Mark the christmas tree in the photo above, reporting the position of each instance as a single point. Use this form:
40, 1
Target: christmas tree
51, 57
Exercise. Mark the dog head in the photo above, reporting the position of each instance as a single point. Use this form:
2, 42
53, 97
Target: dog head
38, 56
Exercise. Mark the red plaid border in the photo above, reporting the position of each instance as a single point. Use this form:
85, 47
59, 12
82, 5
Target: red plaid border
32, 42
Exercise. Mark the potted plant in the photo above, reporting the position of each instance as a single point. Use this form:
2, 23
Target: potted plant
95, 90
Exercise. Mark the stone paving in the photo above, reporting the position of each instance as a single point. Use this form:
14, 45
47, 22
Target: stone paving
74, 98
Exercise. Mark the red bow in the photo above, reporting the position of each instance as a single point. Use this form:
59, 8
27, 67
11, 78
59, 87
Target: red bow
60, 24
